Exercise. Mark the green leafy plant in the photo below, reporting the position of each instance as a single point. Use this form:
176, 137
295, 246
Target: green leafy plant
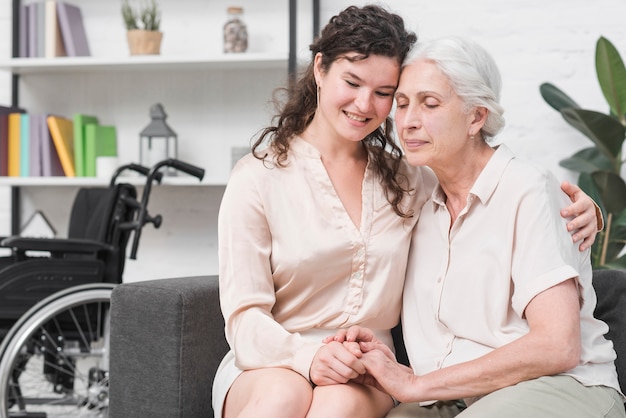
148, 14
600, 166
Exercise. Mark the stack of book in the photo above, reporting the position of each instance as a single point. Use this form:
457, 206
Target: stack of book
33, 145
51, 28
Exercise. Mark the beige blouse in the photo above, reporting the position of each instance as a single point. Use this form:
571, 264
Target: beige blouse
292, 262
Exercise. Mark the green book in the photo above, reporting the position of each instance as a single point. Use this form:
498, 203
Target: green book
100, 141
80, 120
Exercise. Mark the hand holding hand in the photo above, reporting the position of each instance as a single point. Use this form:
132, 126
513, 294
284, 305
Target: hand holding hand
335, 363
353, 334
387, 375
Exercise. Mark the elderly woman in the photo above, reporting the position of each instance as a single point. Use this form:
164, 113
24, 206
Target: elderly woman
498, 303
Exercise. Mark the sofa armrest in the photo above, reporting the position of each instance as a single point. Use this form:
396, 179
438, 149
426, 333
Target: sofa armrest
167, 340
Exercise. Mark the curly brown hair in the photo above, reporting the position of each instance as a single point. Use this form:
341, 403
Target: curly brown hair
367, 30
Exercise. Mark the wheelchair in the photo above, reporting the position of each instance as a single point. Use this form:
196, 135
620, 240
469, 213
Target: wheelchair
55, 301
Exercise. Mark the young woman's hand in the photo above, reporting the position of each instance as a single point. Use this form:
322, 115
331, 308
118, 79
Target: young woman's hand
335, 363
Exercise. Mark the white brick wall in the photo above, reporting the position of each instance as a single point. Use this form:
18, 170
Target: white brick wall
533, 41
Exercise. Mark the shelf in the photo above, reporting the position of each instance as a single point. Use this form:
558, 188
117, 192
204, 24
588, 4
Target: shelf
183, 180
143, 63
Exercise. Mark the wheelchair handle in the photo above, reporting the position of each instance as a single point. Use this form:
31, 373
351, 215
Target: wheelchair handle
135, 167
143, 217
178, 165
186, 168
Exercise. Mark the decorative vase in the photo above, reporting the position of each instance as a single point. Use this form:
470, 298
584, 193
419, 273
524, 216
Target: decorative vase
144, 42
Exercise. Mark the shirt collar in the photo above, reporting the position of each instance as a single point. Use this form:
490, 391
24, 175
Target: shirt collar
301, 147
488, 180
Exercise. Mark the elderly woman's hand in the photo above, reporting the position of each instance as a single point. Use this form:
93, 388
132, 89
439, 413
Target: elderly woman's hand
385, 373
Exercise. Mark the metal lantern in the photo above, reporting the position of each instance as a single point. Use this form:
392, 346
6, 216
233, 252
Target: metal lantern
157, 141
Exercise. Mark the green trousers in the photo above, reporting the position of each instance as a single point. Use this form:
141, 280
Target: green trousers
545, 397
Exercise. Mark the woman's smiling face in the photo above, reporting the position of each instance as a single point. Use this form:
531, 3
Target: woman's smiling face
356, 96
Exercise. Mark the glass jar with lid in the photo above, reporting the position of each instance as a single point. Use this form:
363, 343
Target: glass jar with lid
235, 31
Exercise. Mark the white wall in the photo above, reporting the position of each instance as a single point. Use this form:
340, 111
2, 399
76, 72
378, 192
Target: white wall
533, 41
5, 98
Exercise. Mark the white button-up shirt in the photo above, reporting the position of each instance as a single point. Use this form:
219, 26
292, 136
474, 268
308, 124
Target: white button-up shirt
469, 283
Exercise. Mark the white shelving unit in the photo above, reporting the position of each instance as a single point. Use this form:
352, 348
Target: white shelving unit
214, 101
217, 62
182, 180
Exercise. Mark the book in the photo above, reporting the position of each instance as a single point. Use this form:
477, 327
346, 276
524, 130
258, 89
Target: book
40, 30
32, 28
72, 30
15, 122
62, 133
80, 121
4, 144
50, 162
4, 137
100, 141
34, 156
24, 144
54, 46
23, 45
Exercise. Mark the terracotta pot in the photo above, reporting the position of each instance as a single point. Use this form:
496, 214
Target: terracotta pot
144, 42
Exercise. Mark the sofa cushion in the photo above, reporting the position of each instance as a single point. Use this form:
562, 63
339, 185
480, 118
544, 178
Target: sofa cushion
610, 286
167, 340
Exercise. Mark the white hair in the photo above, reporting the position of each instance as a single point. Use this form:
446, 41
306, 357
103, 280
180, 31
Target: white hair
472, 72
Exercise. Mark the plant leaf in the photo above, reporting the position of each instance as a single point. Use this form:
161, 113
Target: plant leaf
556, 98
612, 190
587, 160
611, 76
620, 220
619, 263
606, 132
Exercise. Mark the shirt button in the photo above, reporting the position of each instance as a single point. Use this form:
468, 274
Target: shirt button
360, 252
439, 280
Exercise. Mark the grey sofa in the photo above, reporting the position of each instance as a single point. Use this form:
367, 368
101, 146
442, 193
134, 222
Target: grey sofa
167, 339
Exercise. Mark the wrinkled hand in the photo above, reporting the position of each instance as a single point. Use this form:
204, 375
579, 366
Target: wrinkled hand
585, 222
336, 363
387, 375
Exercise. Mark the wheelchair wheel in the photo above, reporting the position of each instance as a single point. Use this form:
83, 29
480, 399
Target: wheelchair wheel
54, 362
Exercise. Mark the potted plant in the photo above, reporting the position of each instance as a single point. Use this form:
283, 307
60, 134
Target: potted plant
600, 166
142, 25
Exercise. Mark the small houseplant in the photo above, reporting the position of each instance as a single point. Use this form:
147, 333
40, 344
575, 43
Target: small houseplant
142, 26
600, 166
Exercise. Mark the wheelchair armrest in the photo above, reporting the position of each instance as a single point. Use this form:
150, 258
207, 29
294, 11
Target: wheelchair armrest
55, 245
